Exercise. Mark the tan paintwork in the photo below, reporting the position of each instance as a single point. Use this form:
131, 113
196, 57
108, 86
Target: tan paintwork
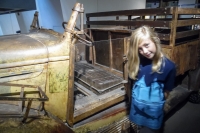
105, 121
40, 58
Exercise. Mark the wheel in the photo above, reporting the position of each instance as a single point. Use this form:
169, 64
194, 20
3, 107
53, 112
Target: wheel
194, 97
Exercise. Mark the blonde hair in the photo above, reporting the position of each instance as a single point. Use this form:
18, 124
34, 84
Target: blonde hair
136, 38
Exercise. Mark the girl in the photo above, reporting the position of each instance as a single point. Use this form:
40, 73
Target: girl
154, 77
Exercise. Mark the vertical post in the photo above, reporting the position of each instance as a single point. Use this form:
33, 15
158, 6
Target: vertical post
173, 26
129, 18
88, 19
71, 41
92, 49
110, 51
125, 69
82, 19
27, 110
21, 102
117, 17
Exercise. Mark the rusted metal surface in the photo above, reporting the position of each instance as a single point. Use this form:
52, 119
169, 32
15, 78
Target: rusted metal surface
83, 94
107, 90
70, 97
35, 22
10, 97
92, 109
123, 126
95, 79
40, 58
27, 111
104, 120
5, 96
36, 122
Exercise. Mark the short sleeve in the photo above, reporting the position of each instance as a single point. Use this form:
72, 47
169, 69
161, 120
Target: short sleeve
170, 80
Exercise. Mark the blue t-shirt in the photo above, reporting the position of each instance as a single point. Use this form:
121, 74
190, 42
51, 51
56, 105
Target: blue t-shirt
148, 93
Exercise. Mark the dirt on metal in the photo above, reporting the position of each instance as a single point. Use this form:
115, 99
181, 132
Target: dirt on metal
42, 124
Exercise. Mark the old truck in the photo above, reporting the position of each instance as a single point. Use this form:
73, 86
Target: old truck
80, 77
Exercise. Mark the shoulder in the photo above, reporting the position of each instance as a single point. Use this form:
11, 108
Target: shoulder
168, 64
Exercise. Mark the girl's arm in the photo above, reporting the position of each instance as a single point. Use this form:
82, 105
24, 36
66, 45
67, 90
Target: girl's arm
170, 82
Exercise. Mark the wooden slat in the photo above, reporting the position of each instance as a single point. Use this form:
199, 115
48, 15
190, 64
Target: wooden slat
187, 33
182, 34
166, 46
137, 23
79, 115
165, 37
173, 27
112, 30
191, 11
136, 12
188, 22
110, 51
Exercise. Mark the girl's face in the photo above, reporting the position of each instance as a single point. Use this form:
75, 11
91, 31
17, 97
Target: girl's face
147, 48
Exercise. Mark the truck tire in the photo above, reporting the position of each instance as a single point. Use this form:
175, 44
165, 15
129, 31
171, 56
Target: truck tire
195, 94
194, 97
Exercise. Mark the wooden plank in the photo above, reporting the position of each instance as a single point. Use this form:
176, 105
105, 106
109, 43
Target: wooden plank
92, 54
110, 51
188, 56
167, 52
112, 30
137, 23
187, 33
188, 22
125, 64
70, 102
136, 12
101, 105
165, 37
173, 27
188, 11
166, 46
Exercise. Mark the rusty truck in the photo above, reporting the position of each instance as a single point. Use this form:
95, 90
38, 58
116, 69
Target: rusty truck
80, 77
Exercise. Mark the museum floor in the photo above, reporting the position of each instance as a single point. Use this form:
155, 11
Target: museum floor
185, 119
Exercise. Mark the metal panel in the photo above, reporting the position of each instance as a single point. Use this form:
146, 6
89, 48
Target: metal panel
97, 80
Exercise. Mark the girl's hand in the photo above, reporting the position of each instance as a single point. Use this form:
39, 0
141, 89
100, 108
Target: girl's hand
166, 93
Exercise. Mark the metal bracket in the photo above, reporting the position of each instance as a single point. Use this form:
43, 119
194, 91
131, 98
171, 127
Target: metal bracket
7, 97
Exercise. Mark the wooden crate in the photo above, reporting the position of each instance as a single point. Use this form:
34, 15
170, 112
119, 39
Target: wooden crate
179, 37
